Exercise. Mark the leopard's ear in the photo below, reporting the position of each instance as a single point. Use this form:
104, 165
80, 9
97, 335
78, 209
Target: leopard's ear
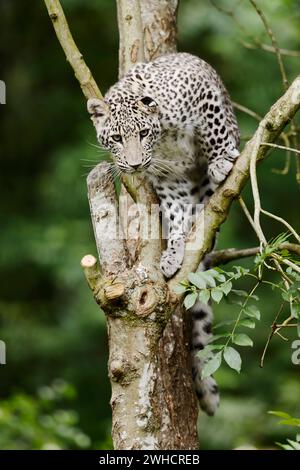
148, 104
98, 109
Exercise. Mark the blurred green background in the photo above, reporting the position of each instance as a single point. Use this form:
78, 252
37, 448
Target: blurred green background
54, 388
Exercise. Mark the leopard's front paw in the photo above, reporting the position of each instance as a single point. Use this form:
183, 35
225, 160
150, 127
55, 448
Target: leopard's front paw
171, 259
217, 171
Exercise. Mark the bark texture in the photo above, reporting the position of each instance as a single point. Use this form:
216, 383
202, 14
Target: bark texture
152, 400
159, 27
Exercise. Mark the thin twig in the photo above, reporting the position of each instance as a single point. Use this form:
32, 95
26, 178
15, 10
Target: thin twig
281, 336
246, 110
267, 48
284, 222
274, 43
283, 147
231, 254
247, 214
287, 165
289, 263
254, 185
283, 76
241, 311
286, 280
270, 336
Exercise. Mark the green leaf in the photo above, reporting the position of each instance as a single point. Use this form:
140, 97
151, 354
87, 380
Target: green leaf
209, 278
243, 293
247, 323
294, 444
216, 337
285, 446
212, 272
216, 294
295, 310
197, 279
242, 340
233, 358
280, 414
208, 348
252, 311
180, 289
239, 292
204, 296
286, 295
220, 277
212, 365
223, 323
291, 422
240, 272
190, 300
226, 287
235, 302
254, 297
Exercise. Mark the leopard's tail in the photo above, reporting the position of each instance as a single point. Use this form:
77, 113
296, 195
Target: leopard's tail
206, 389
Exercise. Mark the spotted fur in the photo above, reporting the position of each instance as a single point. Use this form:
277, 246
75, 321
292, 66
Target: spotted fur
173, 118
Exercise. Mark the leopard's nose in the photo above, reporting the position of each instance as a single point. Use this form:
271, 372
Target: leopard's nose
136, 166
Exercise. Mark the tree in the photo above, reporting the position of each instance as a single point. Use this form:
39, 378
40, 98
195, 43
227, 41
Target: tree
153, 402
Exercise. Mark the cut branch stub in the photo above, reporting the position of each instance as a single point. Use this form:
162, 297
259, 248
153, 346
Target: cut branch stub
115, 290
91, 270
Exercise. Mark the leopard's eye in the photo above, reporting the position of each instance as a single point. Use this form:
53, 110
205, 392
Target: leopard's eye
117, 137
144, 133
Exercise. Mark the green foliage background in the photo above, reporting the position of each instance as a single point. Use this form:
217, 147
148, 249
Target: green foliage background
54, 388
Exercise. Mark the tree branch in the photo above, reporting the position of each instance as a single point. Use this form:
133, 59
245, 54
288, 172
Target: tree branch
74, 57
231, 254
246, 110
267, 48
274, 43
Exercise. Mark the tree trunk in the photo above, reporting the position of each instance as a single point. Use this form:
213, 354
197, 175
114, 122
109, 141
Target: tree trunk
153, 401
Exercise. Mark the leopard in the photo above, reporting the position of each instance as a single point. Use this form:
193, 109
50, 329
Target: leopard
172, 120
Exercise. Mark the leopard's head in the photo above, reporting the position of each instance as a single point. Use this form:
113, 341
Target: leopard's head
128, 128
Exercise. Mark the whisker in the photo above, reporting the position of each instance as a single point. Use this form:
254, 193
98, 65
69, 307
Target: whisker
168, 167
97, 146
